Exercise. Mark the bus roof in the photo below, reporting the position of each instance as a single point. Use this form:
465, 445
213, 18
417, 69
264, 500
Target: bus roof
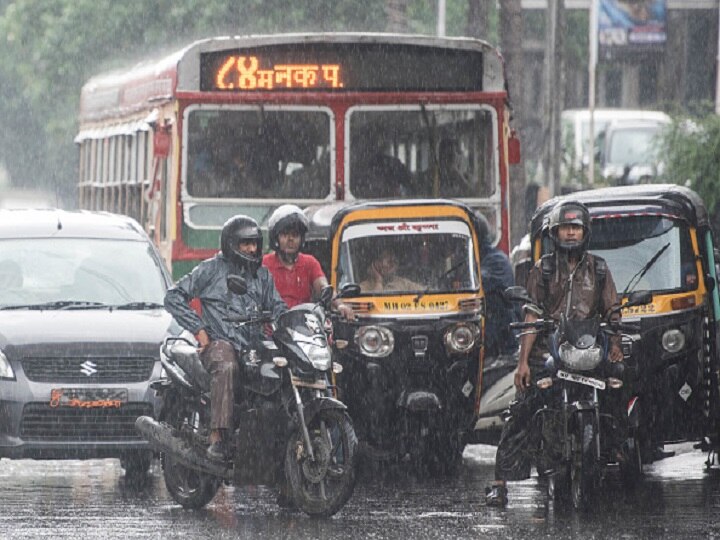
154, 82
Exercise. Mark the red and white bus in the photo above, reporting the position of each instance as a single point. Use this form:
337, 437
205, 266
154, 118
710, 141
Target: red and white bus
235, 125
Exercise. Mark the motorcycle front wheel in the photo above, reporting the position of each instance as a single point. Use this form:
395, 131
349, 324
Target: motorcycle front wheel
188, 487
321, 486
583, 469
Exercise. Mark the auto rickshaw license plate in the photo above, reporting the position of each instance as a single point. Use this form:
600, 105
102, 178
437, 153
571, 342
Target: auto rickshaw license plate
88, 398
581, 379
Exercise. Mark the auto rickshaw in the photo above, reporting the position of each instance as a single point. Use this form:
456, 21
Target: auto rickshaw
658, 238
413, 358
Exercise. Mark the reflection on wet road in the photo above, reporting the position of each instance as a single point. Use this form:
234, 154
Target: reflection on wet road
91, 499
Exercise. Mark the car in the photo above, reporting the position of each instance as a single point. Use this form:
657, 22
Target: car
629, 152
576, 133
81, 324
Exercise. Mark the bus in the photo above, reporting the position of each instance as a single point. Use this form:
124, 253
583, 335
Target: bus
232, 125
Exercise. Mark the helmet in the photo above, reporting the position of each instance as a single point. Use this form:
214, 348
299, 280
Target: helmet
284, 218
569, 213
482, 226
240, 228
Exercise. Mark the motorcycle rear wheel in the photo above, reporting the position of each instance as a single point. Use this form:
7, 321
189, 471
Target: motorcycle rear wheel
188, 487
322, 486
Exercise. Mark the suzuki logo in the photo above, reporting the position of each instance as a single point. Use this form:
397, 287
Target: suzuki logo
88, 368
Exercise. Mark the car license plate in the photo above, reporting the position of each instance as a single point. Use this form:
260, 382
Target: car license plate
581, 379
88, 398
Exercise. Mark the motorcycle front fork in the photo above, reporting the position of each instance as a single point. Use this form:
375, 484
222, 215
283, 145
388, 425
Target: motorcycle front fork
568, 411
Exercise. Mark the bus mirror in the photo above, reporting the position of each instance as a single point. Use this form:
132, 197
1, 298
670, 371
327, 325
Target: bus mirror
513, 149
161, 141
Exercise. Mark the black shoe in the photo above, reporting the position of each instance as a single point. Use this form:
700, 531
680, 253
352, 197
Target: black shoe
496, 496
217, 451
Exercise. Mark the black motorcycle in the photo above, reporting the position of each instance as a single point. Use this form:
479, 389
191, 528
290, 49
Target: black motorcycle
578, 428
290, 431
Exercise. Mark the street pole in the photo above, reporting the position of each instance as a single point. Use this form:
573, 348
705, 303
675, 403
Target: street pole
717, 69
592, 67
441, 18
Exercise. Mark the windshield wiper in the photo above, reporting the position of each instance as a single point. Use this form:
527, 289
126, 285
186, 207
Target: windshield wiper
59, 304
644, 270
138, 305
439, 278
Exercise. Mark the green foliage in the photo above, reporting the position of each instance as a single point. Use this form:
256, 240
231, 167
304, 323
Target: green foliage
692, 153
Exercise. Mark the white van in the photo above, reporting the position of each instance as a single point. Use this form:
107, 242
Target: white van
576, 133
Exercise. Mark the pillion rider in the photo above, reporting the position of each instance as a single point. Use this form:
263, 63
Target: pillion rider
222, 342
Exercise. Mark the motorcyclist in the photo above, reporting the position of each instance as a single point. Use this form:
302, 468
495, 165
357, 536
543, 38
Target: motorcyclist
569, 281
222, 343
298, 276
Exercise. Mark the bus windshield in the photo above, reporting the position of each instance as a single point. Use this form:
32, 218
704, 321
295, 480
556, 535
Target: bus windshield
408, 257
628, 243
413, 151
258, 152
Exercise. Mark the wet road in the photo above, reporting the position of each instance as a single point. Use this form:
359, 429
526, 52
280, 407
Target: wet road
91, 499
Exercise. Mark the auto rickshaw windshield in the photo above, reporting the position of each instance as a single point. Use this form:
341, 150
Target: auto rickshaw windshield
628, 243
408, 257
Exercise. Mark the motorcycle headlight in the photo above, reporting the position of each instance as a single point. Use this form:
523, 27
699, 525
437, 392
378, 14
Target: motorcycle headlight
461, 337
375, 341
6, 370
580, 359
673, 340
319, 357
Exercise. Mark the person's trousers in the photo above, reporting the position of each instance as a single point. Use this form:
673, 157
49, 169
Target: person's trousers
220, 360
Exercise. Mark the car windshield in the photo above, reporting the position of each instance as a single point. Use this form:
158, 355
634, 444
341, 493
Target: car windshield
633, 146
36, 271
427, 151
428, 256
628, 243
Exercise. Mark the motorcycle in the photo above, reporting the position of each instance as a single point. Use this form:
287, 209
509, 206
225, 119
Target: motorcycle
575, 428
290, 432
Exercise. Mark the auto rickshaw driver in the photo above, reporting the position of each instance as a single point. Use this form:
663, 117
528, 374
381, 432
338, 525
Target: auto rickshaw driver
382, 276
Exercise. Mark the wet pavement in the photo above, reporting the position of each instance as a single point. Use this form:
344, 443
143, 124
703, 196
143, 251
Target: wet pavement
92, 499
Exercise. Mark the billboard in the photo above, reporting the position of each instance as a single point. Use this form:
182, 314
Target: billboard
632, 25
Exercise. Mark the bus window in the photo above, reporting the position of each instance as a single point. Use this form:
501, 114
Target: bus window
416, 152
258, 153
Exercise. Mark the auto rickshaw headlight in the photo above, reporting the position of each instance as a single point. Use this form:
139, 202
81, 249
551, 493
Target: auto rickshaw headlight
375, 341
461, 337
673, 340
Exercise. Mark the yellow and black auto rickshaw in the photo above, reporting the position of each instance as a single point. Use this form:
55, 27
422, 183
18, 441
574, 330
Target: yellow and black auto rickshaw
658, 238
412, 358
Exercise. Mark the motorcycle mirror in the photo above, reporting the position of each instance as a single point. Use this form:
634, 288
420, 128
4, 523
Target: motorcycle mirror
349, 290
517, 293
639, 298
326, 294
236, 284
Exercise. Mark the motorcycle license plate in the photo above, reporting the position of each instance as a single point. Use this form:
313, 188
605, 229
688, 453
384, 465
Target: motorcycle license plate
581, 379
88, 398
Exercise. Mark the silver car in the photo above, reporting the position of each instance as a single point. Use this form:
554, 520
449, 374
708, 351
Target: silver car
81, 322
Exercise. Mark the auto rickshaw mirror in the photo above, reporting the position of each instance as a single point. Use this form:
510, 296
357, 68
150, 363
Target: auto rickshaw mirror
517, 293
639, 298
709, 283
236, 284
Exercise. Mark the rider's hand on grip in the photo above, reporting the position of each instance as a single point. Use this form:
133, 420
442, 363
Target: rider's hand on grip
522, 376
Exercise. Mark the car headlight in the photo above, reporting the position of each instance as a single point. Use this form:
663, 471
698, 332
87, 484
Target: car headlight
461, 337
6, 370
673, 340
375, 341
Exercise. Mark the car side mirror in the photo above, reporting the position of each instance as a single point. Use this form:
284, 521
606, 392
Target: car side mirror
349, 290
236, 284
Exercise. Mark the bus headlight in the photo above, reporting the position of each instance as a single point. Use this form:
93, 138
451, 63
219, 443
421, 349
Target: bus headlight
6, 370
673, 340
375, 341
461, 337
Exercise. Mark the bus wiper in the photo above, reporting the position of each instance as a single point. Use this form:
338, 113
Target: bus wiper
644, 270
139, 305
439, 278
58, 304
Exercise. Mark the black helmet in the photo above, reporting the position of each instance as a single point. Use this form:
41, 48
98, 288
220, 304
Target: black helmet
570, 213
483, 229
235, 230
284, 218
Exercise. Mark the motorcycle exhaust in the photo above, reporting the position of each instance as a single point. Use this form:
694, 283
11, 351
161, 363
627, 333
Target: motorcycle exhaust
161, 439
